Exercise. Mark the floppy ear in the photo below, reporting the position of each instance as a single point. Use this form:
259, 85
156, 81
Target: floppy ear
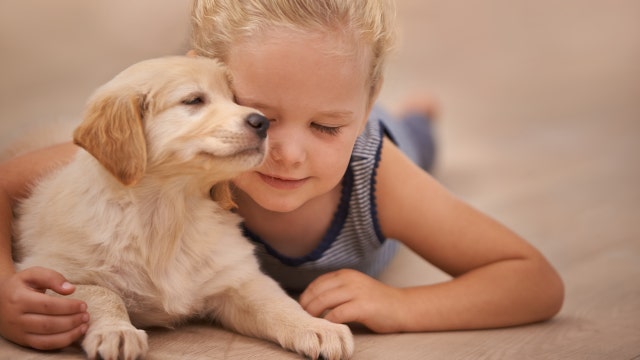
112, 131
221, 193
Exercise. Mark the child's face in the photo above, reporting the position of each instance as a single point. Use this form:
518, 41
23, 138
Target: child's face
317, 103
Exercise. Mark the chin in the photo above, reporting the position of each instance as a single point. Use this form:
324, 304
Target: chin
278, 204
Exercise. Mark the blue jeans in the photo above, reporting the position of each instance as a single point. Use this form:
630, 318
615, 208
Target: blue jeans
413, 135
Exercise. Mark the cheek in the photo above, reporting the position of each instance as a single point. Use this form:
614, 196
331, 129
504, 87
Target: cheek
332, 159
162, 134
240, 180
249, 182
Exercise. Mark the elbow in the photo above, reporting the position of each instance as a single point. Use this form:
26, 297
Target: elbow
544, 293
552, 293
557, 297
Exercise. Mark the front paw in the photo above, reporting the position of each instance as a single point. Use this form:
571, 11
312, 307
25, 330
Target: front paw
320, 338
115, 341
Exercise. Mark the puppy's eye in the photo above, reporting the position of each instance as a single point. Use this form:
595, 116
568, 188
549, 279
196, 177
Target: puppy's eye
194, 100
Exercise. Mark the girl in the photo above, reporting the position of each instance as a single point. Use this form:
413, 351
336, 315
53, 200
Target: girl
334, 191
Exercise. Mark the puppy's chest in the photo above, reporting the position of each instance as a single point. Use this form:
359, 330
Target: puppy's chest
165, 297
170, 288
181, 270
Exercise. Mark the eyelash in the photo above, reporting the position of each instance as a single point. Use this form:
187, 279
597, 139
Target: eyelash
329, 130
194, 100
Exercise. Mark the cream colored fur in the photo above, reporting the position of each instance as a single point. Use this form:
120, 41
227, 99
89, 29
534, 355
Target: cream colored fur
131, 221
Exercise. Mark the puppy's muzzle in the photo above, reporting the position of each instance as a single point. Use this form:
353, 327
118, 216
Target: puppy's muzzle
259, 123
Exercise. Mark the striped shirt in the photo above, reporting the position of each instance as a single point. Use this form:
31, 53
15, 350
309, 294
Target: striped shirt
354, 239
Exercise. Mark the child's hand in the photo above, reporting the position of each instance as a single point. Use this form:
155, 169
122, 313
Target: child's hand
346, 296
31, 318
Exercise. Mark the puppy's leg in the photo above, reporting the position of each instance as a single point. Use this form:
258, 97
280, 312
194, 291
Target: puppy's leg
260, 308
110, 334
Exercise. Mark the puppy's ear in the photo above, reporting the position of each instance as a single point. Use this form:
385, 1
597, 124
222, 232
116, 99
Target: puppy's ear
221, 193
112, 131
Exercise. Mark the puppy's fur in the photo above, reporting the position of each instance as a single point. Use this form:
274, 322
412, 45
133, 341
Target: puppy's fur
132, 223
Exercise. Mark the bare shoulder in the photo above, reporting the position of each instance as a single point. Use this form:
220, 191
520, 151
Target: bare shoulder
20, 172
421, 213
403, 190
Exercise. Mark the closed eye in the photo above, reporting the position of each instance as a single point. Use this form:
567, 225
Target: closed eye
194, 100
329, 130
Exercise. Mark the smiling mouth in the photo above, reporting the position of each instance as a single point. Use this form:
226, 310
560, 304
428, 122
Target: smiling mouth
280, 183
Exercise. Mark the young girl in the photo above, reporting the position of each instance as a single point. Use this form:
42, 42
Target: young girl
335, 190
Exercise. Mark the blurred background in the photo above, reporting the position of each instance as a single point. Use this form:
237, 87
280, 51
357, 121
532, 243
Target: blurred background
540, 120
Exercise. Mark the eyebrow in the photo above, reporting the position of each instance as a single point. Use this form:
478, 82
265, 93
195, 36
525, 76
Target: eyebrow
338, 114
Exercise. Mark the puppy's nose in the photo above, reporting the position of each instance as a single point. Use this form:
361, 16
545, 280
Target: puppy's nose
259, 123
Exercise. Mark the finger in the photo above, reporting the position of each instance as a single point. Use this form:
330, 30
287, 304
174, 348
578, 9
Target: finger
38, 303
328, 300
319, 286
38, 324
55, 341
348, 312
41, 279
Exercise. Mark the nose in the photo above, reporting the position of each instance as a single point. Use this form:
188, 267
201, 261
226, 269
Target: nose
286, 149
259, 123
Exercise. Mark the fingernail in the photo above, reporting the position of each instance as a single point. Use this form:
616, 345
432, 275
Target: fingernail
85, 317
67, 285
83, 329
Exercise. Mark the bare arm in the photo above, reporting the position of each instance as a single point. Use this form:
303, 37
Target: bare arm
6, 263
28, 316
17, 175
498, 278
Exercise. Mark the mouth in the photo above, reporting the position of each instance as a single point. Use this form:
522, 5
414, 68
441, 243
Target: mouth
282, 183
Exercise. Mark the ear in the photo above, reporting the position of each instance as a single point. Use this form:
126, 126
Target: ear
112, 131
374, 91
221, 193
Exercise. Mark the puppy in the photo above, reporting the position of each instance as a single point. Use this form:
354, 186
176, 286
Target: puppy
132, 223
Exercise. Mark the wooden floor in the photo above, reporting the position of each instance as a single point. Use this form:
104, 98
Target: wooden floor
540, 128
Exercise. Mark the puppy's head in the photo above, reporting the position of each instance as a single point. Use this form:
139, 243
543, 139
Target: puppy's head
172, 117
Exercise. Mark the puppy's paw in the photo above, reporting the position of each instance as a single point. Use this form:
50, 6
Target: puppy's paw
115, 341
320, 339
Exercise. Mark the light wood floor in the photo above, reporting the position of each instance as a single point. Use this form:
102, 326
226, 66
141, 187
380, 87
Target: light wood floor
540, 128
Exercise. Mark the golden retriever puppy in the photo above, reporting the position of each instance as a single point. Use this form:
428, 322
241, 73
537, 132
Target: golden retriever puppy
132, 223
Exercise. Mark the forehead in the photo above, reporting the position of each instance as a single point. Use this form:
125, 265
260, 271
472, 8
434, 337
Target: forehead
165, 81
297, 63
202, 71
334, 45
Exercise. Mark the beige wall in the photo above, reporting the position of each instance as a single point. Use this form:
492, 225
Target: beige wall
54, 53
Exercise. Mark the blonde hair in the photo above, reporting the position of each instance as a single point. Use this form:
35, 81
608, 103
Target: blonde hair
217, 24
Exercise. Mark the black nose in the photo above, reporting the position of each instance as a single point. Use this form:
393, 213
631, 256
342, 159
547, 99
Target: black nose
259, 123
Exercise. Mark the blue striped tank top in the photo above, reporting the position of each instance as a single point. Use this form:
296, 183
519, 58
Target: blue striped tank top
354, 239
